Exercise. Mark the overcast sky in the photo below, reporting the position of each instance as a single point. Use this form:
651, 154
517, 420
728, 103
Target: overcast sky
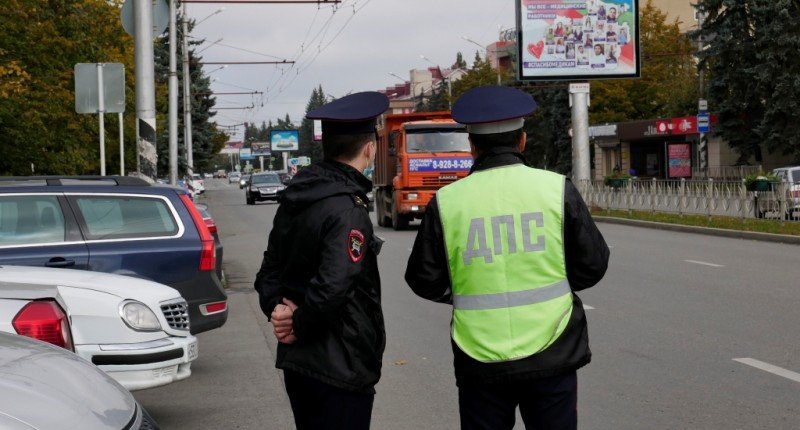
343, 51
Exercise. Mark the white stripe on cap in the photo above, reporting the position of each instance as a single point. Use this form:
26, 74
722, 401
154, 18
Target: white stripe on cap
496, 127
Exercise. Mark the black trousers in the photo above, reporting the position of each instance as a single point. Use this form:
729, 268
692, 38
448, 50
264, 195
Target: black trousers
546, 404
319, 406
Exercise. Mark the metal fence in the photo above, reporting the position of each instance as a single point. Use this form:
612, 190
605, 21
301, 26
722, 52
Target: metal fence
726, 173
699, 197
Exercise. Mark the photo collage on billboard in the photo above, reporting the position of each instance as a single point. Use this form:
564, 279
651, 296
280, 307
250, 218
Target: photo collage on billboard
575, 39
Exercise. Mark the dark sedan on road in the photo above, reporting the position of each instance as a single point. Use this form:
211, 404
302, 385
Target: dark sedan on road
263, 186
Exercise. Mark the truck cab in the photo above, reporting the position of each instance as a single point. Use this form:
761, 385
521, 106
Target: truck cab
418, 153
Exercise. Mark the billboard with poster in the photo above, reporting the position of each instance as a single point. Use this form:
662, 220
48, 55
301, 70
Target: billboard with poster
578, 40
679, 156
260, 149
284, 140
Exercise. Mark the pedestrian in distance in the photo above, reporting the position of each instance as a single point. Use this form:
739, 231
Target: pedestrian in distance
509, 246
319, 281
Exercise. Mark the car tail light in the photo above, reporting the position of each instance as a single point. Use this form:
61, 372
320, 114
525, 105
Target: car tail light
213, 308
212, 228
796, 194
44, 320
208, 257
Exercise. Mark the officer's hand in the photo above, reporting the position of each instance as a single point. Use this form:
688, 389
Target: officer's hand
290, 304
282, 321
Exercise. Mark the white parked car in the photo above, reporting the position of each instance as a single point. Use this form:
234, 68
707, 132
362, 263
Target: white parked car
135, 330
198, 183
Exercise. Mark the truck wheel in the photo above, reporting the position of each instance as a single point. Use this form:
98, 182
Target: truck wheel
399, 221
380, 208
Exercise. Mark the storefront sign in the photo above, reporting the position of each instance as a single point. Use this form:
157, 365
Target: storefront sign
680, 160
568, 39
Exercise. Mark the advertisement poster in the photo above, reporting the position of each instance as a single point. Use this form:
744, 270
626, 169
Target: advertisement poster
284, 140
260, 149
245, 154
578, 39
680, 160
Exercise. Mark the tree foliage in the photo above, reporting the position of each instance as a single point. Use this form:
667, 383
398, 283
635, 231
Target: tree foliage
309, 147
207, 140
668, 83
752, 57
40, 43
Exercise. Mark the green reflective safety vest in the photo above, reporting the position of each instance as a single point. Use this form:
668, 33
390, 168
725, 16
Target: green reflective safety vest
503, 231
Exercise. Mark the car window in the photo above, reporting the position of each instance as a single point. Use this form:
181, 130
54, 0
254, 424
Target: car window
795, 176
110, 217
266, 179
30, 220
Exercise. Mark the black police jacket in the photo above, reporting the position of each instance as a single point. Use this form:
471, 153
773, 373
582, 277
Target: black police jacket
322, 255
586, 256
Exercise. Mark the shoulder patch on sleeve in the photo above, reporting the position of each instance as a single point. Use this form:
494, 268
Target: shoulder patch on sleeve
355, 245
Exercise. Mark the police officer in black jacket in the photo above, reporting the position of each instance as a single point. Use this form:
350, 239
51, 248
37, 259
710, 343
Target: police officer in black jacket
319, 281
541, 381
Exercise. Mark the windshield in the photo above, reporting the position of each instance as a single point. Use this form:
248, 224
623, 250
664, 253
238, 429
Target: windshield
266, 179
437, 141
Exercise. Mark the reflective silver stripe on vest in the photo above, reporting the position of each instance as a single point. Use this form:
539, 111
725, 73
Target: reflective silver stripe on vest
508, 300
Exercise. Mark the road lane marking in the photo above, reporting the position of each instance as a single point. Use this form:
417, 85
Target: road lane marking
703, 263
775, 370
587, 307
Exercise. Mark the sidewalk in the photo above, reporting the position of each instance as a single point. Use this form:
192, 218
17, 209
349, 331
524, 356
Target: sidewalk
750, 235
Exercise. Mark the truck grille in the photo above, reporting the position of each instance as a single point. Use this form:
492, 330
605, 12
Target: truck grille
177, 314
436, 181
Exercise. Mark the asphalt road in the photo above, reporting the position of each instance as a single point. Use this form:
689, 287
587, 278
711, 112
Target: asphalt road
667, 324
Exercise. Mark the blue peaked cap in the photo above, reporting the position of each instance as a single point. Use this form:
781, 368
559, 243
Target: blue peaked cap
494, 109
352, 114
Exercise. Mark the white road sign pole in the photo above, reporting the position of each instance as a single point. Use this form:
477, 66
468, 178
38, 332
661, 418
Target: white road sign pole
101, 116
121, 146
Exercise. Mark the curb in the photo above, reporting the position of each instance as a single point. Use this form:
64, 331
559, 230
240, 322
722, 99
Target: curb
736, 234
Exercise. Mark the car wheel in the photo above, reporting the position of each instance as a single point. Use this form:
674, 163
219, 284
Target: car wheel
250, 200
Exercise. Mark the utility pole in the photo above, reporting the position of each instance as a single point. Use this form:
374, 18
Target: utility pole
173, 96
145, 88
187, 101
581, 164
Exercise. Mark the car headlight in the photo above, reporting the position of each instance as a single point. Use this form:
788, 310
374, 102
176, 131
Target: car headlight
138, 316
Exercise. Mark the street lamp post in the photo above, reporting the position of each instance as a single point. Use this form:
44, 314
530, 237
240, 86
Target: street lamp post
486, 53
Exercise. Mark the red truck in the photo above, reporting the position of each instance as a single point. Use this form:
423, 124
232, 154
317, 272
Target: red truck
418, 153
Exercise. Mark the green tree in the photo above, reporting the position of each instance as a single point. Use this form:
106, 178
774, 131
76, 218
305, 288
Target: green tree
40, 43
207, 140
668, 83
754, 67
308, 147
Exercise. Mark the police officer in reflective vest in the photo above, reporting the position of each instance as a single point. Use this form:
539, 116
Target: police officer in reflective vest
508, 246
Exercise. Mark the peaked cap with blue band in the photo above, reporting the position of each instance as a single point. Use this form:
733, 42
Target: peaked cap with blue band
495, 109
352, 114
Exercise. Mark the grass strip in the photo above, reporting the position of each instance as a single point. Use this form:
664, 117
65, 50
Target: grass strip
730, 223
